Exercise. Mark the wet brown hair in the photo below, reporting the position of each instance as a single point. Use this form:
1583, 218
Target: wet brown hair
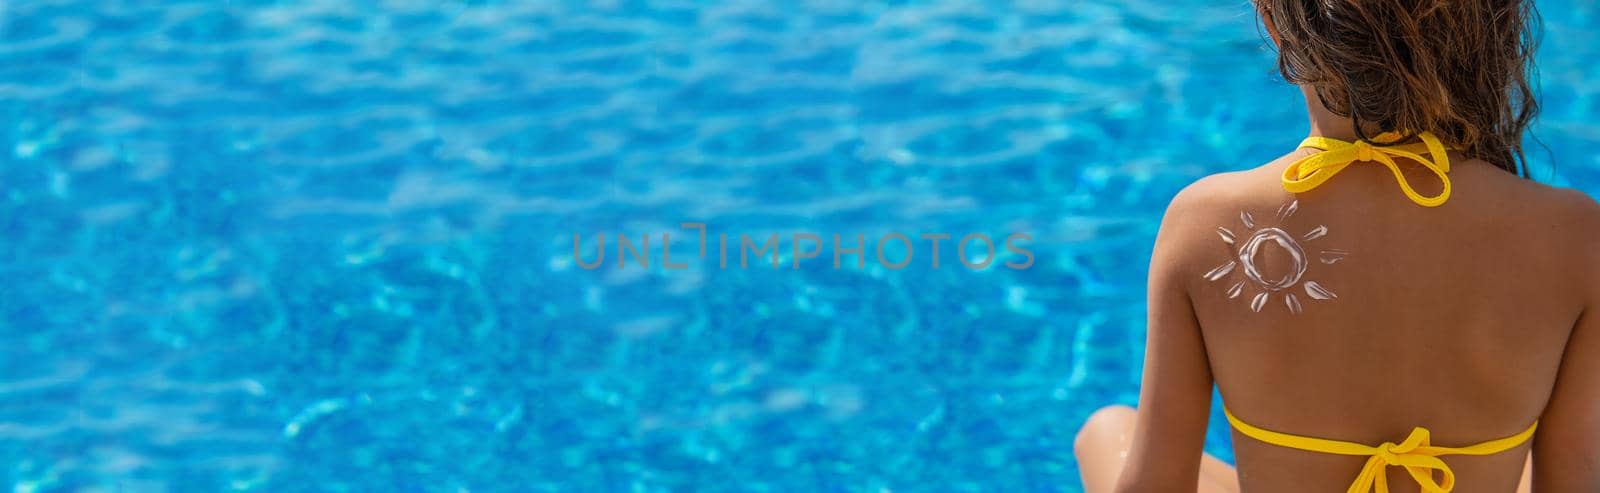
1457, 68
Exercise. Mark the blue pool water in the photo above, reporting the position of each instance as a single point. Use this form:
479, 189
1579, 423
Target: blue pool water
327, 246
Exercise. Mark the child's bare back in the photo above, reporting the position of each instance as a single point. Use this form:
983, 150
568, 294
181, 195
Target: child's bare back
1357, 315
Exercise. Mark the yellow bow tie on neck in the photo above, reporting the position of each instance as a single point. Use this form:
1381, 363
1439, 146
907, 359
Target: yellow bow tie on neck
1311, 171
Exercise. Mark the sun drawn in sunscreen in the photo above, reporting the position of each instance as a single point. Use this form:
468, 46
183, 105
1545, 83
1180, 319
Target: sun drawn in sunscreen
1247, 251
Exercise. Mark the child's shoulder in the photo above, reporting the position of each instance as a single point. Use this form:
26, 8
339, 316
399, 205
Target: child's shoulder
1229, 193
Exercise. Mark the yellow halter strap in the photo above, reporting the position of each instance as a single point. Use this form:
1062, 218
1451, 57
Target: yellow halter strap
1416, 454
1311, 171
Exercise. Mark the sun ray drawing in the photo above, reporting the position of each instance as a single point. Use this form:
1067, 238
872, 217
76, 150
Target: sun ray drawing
1259, 286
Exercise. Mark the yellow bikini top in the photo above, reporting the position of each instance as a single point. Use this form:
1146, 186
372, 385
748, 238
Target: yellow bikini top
1415, 453
1311, 171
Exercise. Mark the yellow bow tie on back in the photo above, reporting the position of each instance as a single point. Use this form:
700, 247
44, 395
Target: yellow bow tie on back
1417, 454
1311, 171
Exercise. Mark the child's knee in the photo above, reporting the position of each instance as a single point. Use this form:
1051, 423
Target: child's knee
1110, 422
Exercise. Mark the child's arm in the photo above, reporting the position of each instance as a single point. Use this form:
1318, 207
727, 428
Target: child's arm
1566, 450
1175, 395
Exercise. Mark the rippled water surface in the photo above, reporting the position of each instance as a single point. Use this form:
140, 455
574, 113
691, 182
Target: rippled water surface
327, 246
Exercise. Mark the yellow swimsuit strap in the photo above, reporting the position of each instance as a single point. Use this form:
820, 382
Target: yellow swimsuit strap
1311, 171
1415, 453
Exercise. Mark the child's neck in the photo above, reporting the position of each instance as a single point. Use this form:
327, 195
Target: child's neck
1326, 124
